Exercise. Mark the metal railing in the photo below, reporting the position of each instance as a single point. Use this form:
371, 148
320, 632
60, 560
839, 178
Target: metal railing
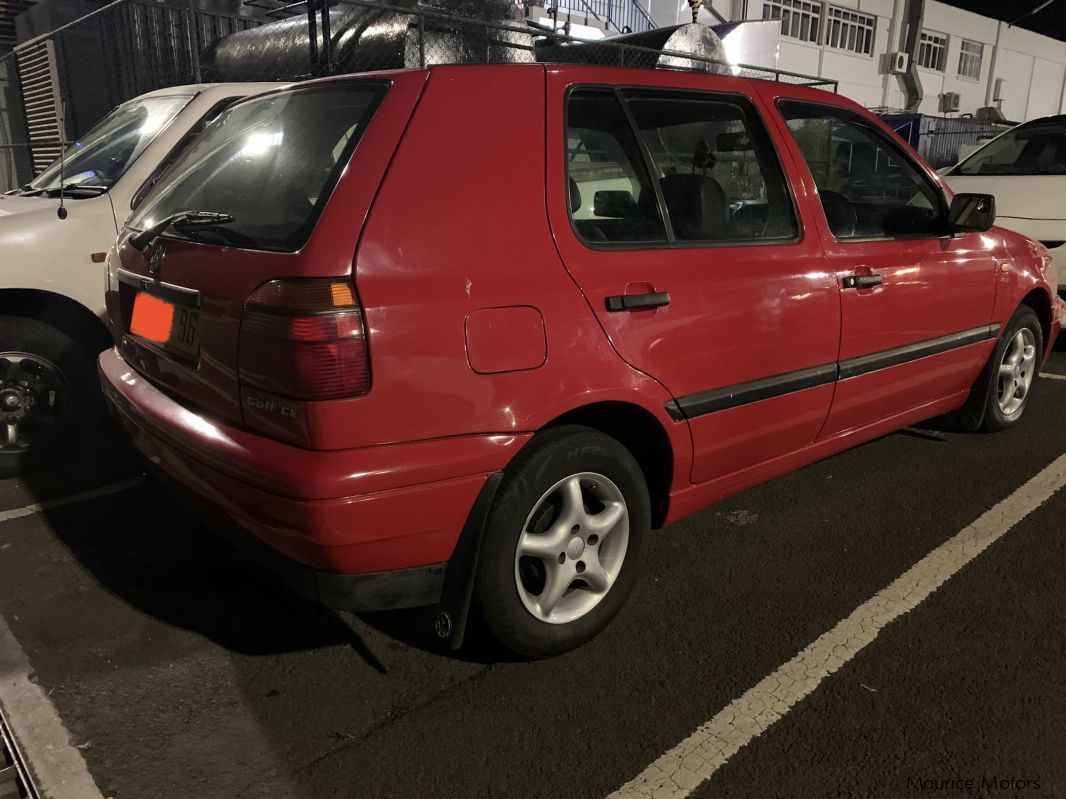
940, 140
624, 16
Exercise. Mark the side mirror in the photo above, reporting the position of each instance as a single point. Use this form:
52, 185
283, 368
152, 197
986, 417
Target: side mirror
613, 204
972, 213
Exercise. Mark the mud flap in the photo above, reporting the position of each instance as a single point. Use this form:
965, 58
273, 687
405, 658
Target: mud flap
972, 414
453, 611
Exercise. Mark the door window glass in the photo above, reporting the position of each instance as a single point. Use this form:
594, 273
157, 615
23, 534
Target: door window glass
610, 194
868, 188
720, 178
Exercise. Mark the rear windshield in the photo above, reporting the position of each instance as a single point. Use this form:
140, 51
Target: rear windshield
270, 163
1038, 148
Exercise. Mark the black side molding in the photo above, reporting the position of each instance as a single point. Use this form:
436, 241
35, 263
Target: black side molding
912, 352
720, 399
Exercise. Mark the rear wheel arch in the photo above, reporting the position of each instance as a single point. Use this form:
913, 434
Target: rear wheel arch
61, 312
639, 432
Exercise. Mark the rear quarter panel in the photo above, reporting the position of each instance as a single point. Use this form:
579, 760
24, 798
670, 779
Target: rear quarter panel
458, 227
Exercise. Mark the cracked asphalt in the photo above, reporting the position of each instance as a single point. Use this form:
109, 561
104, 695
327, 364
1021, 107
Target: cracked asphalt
179, 673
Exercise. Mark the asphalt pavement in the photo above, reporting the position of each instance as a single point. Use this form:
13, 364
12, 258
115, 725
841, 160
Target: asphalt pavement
179, 673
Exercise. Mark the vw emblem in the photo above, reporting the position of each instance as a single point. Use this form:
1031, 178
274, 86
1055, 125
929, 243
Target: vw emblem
158, 253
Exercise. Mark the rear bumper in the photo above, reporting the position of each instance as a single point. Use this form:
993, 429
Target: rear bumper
362, 529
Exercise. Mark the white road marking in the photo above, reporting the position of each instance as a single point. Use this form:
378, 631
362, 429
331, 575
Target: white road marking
1051, 376
38, 507
57, 766
678, 772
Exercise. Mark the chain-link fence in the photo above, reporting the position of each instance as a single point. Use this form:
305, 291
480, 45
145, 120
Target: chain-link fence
943, 141
55, 87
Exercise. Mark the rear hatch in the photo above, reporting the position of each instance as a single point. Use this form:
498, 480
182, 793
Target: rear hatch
219, 315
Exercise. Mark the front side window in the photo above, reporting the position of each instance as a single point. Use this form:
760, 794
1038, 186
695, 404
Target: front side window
96, 162
271, 163
716, 167
1037, 148
610, 192
868, 188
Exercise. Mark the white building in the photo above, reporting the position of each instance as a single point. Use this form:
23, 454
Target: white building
985, 61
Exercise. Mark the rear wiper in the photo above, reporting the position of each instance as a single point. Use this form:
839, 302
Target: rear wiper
183, 219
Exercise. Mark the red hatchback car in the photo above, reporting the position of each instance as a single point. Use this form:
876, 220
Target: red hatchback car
464, 335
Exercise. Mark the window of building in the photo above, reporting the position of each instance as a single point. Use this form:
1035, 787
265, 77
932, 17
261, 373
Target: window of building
971, 55
800, 19
933, 51
850, 30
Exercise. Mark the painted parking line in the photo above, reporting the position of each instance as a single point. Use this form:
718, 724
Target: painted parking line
678, 772
1051, 376
57, 766
73, 499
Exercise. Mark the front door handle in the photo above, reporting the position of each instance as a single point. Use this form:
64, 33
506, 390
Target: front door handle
636, 302
861, 281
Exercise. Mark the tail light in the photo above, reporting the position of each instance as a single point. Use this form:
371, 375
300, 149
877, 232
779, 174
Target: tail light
304, 339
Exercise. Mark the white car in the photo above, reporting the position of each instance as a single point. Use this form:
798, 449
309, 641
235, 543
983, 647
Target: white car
1025, 169
52, 249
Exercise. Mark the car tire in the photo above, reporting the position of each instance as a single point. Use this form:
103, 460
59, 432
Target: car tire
553, 572
1013, 368
49, 395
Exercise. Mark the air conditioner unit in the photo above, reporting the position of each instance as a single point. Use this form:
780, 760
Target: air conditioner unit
895, 63
950, 102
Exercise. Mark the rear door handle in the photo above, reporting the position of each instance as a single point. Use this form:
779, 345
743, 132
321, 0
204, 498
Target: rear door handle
861, 281
635, 302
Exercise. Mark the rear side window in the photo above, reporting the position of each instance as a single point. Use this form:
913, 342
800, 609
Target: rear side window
652, 165
610, 192
716, 167
868, 187
271, 163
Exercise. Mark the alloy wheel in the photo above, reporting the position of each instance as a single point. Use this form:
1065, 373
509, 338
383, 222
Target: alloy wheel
1016, 371
572, 548
34, 400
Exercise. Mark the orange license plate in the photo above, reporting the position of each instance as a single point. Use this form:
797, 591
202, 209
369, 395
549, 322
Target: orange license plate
173, 326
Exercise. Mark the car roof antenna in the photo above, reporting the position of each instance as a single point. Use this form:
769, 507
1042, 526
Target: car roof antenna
61, 212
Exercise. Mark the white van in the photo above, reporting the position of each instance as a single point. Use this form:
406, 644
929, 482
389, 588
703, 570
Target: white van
52, 248
1025, 170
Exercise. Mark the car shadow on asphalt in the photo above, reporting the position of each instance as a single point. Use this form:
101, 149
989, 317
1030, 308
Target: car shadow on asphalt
143, 547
